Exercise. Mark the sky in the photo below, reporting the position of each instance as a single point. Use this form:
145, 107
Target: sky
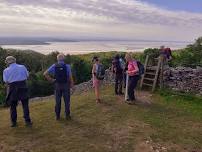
176, 20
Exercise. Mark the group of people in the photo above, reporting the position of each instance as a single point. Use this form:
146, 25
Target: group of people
15, 77
120, 69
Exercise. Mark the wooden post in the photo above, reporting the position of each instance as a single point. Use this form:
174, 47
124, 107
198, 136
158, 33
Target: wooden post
156, 75
145, 68
161, 71
126, 92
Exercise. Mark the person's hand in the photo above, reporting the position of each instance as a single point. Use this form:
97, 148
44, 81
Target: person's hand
52, 80
71, 85
72, 90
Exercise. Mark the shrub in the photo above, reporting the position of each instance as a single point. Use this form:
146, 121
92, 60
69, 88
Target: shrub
38, 86
2, 95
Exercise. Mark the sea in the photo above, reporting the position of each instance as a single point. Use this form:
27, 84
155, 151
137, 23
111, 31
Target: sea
84, 47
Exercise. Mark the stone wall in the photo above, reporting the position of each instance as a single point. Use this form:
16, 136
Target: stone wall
184, 79
86, 86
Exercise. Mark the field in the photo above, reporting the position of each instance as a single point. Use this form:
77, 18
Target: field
158, 122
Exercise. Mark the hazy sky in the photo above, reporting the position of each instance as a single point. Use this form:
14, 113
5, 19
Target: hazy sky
120, 19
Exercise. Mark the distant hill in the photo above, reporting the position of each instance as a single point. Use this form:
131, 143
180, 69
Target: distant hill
30, 40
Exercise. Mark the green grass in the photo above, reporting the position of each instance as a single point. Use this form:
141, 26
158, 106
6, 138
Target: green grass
113, 126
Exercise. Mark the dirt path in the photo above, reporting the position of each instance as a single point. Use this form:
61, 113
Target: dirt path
143, 98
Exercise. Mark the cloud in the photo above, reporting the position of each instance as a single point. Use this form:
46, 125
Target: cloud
126, 18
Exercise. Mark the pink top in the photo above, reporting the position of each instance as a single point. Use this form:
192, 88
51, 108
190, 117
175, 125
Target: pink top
132, 68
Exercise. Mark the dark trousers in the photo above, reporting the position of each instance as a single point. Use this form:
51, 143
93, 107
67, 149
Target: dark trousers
13, 110
131, 86
62, 90
124, 80
118, 83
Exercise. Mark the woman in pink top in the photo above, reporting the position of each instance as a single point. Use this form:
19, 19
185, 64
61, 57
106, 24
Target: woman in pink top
96, 82
133, 73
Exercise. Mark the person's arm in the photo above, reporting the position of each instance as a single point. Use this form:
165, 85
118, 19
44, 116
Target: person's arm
93, 71
5, 77
47, 73
26, 72
48, 77
71, 81
71, 78
112, 68
132, 72
170, 55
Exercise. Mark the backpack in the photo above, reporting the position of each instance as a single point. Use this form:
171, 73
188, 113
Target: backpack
100, 72
61, 73
119, 67
122, 63
141, 68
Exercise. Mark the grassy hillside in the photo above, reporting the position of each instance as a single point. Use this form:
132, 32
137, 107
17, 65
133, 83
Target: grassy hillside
157, 122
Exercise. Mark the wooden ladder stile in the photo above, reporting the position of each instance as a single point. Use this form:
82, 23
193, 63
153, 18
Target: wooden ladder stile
153, 71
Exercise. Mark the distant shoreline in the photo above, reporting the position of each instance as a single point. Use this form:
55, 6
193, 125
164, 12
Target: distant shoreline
85, 47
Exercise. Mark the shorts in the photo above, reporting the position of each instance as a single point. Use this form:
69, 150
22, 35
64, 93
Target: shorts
96, 83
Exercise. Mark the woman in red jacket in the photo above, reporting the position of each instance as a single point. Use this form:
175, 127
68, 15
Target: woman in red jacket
133, 73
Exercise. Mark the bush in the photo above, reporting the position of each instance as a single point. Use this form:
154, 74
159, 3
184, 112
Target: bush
81, 70
153, 53
38, 86
2, 95
191, 56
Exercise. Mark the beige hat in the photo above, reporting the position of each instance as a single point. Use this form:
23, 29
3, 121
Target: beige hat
10, 60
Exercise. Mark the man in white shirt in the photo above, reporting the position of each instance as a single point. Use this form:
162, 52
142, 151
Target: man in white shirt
15, 76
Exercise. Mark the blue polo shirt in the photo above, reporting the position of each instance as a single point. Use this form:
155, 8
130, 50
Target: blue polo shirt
51, 69
14, 73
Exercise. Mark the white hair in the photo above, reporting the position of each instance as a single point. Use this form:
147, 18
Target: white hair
60, 57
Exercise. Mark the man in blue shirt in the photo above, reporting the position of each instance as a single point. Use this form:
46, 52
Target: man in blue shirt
60, 74
15, 76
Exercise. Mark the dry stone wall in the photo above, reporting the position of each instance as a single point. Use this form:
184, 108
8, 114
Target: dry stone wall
86, 86
184, 79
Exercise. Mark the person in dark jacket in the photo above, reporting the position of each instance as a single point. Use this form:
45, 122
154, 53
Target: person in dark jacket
60, 74
15, 77
118, 71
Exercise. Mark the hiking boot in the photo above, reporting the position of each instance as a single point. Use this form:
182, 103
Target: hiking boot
98, 101
14, 124
130, 102
121, 93
57, 118
28, 124
68, 117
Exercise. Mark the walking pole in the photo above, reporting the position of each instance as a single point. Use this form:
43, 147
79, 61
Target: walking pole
126, 92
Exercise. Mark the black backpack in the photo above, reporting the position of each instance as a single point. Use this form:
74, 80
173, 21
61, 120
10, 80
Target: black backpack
141, 68
61, 73
118, 66
100, 72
